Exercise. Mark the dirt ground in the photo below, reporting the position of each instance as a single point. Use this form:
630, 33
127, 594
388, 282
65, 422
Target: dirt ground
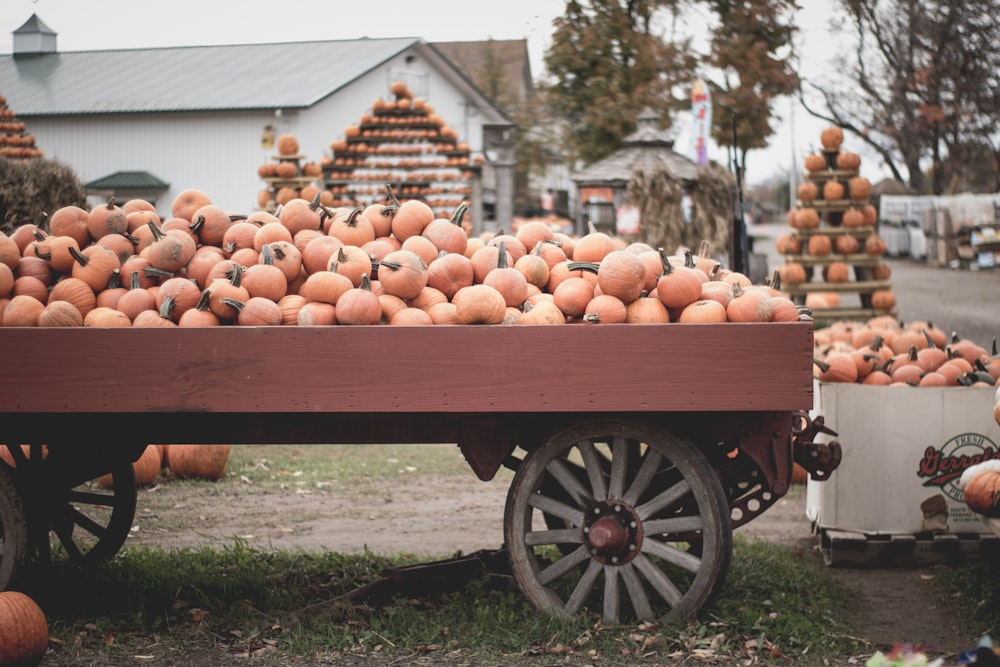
426, 514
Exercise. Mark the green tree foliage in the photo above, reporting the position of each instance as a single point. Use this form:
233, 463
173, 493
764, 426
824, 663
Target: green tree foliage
608, 62
609, 59
752, 56
922, 88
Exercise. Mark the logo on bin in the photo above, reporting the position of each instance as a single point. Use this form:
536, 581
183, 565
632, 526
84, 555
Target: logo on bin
942, 467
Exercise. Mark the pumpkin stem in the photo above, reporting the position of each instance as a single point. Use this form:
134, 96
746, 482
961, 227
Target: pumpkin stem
557, 243
82, 259
390, 210
456, 217
689, 259
237, 275
776, 280
583, 266
157, 232
266, 254
737, 290
876, 343
501, 255
236, 217
41, 254
703, 249
668, 268
314, 204
111, 202
167, 308
591, 227
197, 224
930, 341
134, 282
912, 356
352, 217
234, 303
43, 221
202, 304
823, 366
153, 272
39, 236
114, 281
994, 352
366, 283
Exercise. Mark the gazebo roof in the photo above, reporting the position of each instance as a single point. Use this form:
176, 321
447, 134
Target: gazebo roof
646, 149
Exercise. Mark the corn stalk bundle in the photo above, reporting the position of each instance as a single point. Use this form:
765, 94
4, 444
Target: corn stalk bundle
29, 188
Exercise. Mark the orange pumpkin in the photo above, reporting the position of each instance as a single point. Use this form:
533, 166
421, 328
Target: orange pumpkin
831, 138
146, 467
815, 162
982, 489
820, 245
24, 632
287, 144
199, 461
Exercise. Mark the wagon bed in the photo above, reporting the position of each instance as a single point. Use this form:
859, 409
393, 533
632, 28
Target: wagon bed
597, 420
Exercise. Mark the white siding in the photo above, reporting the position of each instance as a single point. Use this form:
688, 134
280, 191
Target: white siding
220, 152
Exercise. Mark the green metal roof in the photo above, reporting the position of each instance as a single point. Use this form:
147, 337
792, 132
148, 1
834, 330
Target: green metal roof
201, 78
128, 180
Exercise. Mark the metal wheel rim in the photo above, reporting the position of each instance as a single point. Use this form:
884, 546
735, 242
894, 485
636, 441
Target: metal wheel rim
640, 567
90, 523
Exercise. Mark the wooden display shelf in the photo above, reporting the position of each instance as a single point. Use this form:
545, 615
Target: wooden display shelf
831, 174
836, 205
853, 260
866, 230
848, 313
285, 158
862, 286
293, 182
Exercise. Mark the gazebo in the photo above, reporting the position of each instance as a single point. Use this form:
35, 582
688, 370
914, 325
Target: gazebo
601, 187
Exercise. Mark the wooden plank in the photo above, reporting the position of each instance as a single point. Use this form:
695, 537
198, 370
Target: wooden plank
826, 315
385, 369
830, 230
861, 286
851, 549
853, 260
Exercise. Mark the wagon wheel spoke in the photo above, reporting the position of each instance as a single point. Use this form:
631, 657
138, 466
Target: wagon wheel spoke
625, 545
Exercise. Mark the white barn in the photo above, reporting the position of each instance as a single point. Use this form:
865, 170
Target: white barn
153, 122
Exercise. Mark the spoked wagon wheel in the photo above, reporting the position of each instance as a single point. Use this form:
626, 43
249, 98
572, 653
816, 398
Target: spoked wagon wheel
622, 535
62, 499
13, 530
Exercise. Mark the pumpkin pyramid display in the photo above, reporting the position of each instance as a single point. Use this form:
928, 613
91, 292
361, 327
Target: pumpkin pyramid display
403, 142
15, 140
833, 247
288, 177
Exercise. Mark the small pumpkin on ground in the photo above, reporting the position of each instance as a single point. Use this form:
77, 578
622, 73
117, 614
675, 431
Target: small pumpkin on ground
199, 461
24, 632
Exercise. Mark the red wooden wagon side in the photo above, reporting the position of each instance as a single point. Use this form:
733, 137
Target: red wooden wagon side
637, 448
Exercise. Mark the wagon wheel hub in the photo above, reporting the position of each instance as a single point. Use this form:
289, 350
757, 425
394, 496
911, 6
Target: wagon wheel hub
614, 533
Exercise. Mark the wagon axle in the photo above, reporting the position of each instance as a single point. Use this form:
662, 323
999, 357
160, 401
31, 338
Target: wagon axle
614, 533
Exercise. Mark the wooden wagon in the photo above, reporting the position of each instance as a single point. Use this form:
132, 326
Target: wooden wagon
637, 448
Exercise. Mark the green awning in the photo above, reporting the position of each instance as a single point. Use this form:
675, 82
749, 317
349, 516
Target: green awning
128, 180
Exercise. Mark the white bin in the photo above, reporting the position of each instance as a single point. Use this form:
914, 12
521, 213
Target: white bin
901, 447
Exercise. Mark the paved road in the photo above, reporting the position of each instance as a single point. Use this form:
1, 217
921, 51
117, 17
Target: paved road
959, 300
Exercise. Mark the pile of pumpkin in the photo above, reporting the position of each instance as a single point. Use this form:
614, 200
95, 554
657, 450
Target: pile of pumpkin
307, 264
884, 351
207, 462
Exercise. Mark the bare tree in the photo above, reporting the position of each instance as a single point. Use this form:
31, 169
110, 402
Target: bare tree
921, 88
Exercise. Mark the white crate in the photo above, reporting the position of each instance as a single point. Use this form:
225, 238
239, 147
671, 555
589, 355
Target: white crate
901, 446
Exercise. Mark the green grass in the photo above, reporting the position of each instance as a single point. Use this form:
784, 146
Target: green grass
246, 601
308, 465
978, 587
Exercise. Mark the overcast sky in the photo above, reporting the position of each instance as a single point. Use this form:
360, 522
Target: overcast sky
117, 24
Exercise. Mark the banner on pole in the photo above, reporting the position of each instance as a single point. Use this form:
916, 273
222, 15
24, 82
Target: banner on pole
701, 112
